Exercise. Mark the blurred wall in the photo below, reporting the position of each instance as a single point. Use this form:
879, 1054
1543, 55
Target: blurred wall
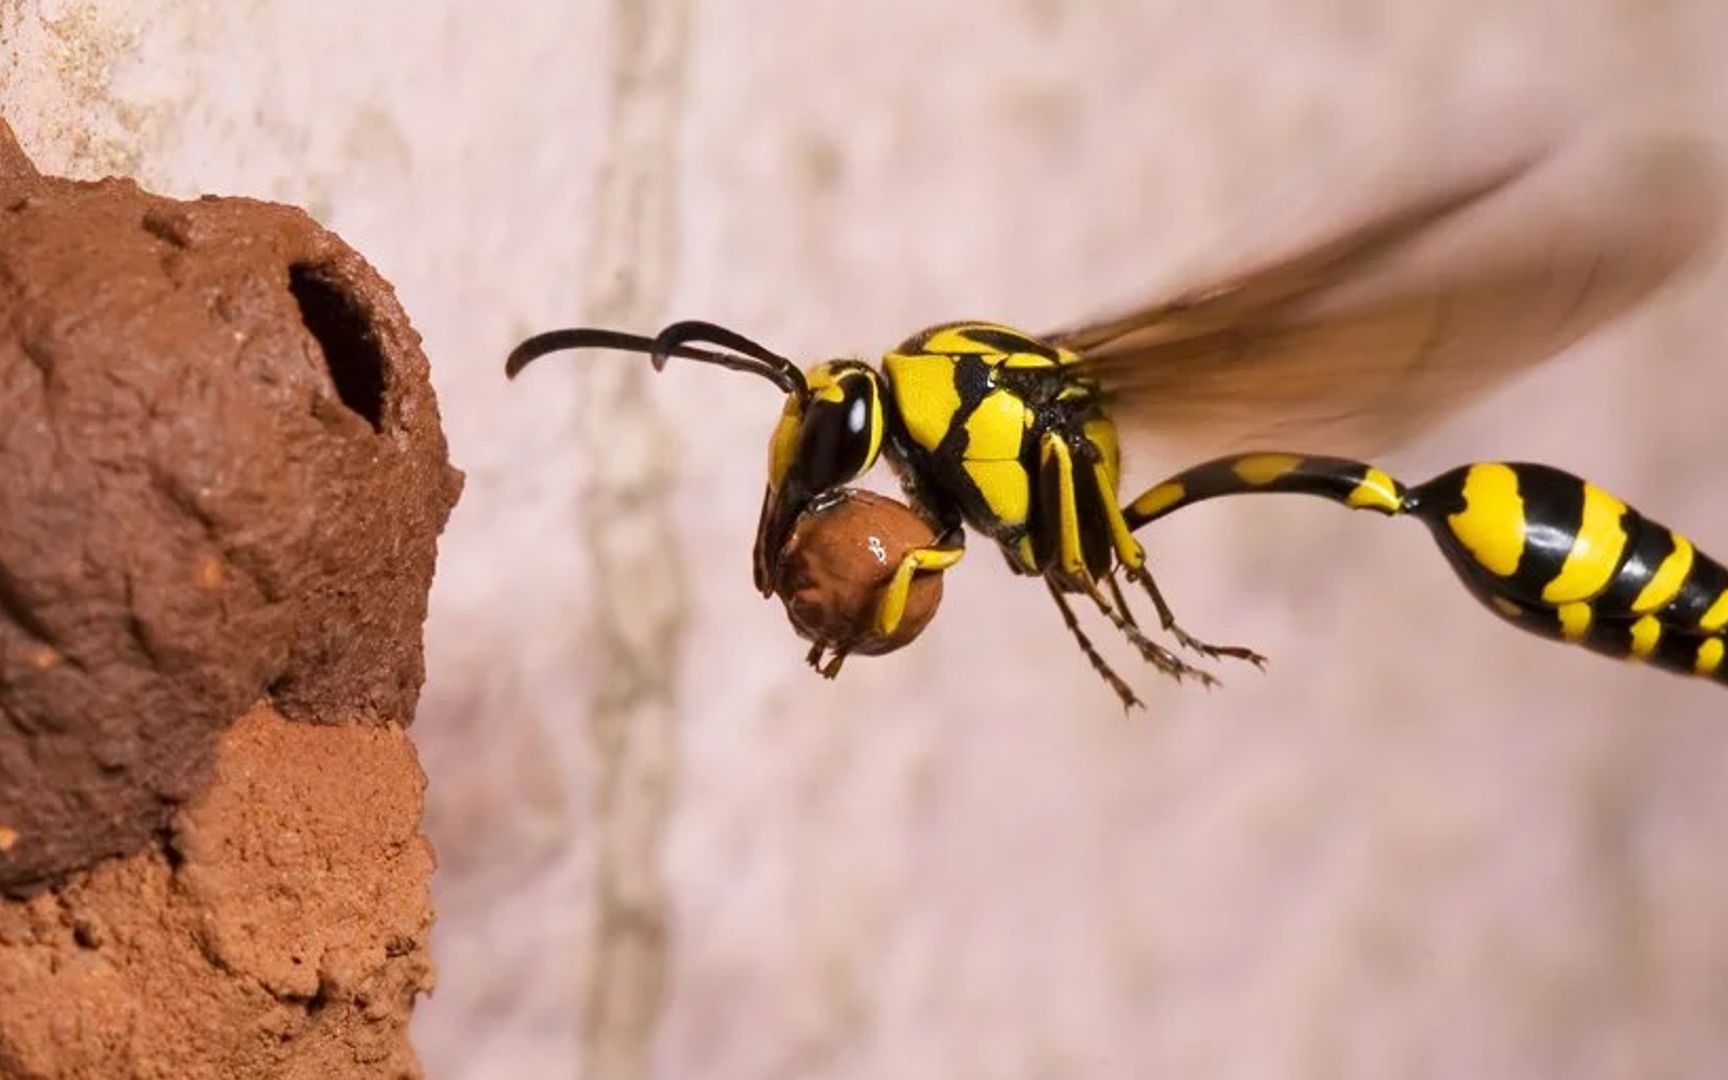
1421, 845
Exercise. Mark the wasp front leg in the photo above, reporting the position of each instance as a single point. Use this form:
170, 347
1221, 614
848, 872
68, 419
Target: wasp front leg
891, 608
889, 624
892, 600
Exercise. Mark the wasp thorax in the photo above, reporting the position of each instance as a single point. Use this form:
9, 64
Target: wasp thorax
841, 554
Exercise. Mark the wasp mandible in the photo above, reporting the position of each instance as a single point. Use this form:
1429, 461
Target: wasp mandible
1352, 345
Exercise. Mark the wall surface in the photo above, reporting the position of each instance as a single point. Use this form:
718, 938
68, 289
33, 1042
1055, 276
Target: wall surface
1421, 845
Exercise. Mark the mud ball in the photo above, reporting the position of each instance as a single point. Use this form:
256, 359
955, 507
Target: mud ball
840, 557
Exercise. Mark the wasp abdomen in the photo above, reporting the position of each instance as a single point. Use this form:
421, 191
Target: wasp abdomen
1564, 558
1549, 551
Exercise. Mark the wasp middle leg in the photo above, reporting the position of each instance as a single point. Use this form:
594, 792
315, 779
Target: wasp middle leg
1074, 547
1123, 690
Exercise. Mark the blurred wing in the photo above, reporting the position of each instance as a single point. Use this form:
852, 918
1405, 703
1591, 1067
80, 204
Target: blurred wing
1355, 345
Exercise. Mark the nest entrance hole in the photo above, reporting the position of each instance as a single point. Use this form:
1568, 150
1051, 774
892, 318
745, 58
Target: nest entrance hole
345, 335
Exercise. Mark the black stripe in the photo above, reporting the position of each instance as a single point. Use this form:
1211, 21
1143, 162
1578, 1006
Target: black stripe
1045, 520
1095, 542
1333, 478
1610, 637
971, 383
1437, 499
1542, 621
1677, 651
1703, 586
1009, 342
1647, 545
1553, 514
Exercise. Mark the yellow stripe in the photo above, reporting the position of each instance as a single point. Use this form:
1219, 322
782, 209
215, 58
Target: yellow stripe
783, 443
925, 392
996, 428
1004, 486
875, 421
1376, 491
1646, 632
1101, 434
1258, 470
1159, 499
1491, 525
954, 340
1709, 656
1069, 553
1717, 616
824, 386
1665, 584
1574, 621
1596, 550
1127, 548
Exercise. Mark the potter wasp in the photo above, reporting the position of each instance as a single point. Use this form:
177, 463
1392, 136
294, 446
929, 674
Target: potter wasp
1351, 345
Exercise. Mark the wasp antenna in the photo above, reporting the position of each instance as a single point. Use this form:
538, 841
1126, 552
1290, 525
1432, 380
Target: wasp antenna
782, 371
590, 338
583, 338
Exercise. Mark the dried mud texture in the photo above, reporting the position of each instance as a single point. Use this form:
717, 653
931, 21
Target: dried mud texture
222, 478
281, 933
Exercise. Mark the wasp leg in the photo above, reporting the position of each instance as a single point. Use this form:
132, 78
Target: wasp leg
1071, 563
1132, 556
1121, 602
1150, 651
1167, 619
831, 667
891, 608
1122, 689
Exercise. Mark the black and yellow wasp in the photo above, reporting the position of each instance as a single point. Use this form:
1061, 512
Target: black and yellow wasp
1356, 342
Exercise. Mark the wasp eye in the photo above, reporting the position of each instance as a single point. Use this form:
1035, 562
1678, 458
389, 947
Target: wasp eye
835, 444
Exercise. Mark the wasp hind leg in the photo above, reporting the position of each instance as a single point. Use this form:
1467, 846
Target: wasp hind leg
1133, 559
1167, 619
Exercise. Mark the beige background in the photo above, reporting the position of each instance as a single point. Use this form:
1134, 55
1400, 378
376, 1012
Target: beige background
1421, 846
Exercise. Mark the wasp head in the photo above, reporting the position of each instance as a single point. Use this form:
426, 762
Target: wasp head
830, 430
826, 437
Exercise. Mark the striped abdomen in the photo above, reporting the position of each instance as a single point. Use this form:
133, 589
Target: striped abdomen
1560, 556
1544, 549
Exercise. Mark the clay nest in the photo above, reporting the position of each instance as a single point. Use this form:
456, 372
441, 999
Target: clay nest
223, 482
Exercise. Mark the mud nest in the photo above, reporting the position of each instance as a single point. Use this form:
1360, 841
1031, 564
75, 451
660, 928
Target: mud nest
222, 479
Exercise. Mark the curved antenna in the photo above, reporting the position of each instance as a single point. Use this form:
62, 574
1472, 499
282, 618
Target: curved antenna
783, 371
671, 342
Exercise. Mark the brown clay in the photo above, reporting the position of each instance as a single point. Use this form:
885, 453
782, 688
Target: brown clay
222, 478
281, 931
836, 562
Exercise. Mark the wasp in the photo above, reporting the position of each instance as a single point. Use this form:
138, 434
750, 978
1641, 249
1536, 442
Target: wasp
1361, 340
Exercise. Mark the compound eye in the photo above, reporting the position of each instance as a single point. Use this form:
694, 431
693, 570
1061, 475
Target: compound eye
836, 441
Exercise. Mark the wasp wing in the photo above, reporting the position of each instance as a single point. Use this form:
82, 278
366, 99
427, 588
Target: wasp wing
1354, 345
